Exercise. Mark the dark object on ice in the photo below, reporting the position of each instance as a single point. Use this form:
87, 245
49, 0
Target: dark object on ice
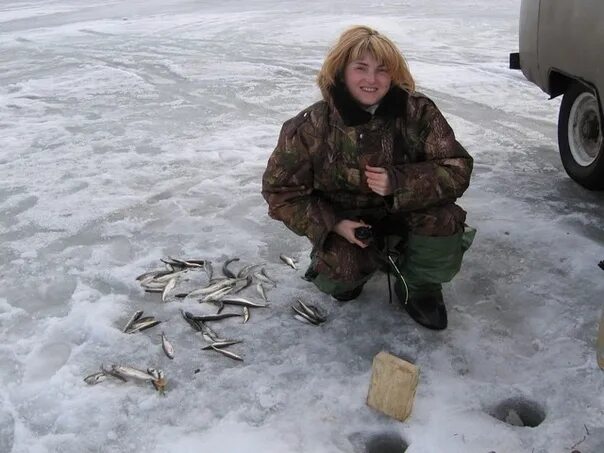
519, 412
426, 309
363, 233
389, 442
349, 295
601, 264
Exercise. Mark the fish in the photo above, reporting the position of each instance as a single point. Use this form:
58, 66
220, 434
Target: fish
160, 383
169, 287
167, 277
216, 286
133, 318
241, 301
208, 334
304, 320
217, 295
305, 316
131, 372
264, 278
261, 291
167, 346
110, 372
152, 274
220, 344
226, 271
140, 326
209, 269
312, 311
95, 378
188, 317
217, 317
246, 270
227, 353
289, 261
246, 314
242, 284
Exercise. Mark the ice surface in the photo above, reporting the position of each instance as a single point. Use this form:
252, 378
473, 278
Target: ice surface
135, 130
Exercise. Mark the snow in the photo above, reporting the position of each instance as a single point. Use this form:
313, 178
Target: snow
130, 131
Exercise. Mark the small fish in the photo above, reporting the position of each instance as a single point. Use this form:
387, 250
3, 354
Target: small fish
134, 373
264, 278
246, 270
133, 318
304, 320
312, 311
95, 378
246, 314
226, 271
188, 317
241, 301
140, 326
209, 269
227, 353
216, 286
151, 275
217, 317
260, 289
169, 287
289, 261
305, 316
160, 383
221, 344
167, 346
217, 295
110, 372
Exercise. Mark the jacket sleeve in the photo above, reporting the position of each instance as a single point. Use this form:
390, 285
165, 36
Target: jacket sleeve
287, 184
442, 172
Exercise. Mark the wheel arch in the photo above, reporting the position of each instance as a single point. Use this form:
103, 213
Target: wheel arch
559, 82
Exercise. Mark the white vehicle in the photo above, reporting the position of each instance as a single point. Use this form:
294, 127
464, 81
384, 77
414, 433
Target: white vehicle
561, 51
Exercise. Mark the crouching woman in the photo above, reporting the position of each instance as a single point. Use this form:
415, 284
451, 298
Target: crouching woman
377, 157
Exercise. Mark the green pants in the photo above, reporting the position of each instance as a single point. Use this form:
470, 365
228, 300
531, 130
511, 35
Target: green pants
431, 246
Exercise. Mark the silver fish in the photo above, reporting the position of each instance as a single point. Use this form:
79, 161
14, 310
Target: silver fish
140, 326
221, 344
152, 274
217, 317
260, 289
264, 278
246, 270
217, 295
167, 346
209, 269
289, 261
246, 314
169, 287
188, 317
95, 378
241, 301
133, 318
167, 277
304, 320
216, 286
110, 372
305, 316
227, 353
312, 311
226, 271
134, 373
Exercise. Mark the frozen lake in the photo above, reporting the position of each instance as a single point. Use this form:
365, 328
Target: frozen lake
130, 131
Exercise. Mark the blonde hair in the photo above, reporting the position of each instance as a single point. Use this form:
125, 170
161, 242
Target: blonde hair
352, 45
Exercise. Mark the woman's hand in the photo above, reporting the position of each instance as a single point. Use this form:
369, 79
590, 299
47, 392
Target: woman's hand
345, 228
378, 180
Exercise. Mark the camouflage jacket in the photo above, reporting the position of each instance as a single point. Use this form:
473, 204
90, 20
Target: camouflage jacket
314, 177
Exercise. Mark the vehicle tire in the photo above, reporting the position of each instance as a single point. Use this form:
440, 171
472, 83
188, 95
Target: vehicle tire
580, 136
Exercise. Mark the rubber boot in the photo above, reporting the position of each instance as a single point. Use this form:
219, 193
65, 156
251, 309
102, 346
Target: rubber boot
427, 263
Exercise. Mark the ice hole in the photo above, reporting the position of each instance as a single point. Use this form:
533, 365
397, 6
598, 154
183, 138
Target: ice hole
388, 442
519, 412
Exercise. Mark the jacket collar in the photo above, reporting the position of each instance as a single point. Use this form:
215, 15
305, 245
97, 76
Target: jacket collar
393, 105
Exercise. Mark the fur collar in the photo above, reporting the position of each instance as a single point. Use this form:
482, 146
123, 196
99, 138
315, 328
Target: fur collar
393, 105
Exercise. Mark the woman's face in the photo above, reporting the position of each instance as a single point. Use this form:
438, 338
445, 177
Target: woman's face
367, 80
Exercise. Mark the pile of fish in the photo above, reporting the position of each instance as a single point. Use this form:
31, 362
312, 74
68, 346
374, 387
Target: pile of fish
216, 295
307, 313
125, 372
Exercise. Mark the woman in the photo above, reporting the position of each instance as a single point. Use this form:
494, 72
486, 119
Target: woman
373, 154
